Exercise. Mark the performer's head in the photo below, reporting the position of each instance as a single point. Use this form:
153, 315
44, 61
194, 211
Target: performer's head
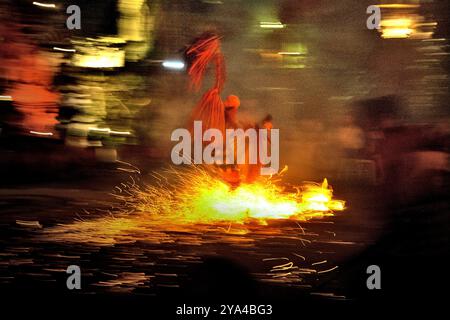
232, 102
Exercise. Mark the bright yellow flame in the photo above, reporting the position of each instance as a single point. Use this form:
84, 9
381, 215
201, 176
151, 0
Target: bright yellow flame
201, 197
397, 23
397, 33
187, 204
398, 28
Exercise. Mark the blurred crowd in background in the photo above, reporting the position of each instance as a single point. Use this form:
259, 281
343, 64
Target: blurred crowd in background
356, 105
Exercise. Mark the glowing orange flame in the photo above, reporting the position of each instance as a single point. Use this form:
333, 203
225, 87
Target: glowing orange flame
186, 204
202, 198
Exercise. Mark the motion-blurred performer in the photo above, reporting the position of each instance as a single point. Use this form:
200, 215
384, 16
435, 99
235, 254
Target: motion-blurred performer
211, 110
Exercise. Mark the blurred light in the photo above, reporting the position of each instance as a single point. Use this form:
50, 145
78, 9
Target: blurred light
285, 53
271, 25
396, 28
41, 133
109, 131
100, 61
427, 24
103, 52
45, 5
106, 130
396, 33
120, 133
401, 21
396, 23
173, 64
63, 50
435, 40
398, 6
5, 98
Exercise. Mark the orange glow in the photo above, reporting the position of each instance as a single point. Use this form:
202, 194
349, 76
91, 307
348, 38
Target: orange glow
198, 196
186, 204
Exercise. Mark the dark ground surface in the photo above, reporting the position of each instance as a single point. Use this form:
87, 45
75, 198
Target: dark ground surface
319, 264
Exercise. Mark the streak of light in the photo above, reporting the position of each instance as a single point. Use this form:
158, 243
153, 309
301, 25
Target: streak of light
127, 170
319, 262
307, 271
173, 64
136, 169
330, 295
41, 133
398, 6
282, 275
328, 270
63, 50
339, 242
125, 133
45, 5
271, 25
100, 129
300, 256
435, 40
286, 53
427, 24
284, 267
270, 259
108, 130
438, 54
29, 224
5, 98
